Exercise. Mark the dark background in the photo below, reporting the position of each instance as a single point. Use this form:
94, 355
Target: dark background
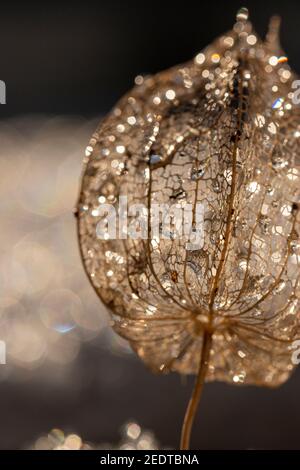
79, 58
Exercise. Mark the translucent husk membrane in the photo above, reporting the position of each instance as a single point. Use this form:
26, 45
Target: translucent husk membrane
221, 130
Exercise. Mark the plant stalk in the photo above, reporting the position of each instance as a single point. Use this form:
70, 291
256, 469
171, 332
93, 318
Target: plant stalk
196, 394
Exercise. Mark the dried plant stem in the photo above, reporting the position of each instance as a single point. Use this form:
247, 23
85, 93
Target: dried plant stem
197, 391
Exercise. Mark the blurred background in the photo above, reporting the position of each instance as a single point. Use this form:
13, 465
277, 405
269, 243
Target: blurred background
64, 66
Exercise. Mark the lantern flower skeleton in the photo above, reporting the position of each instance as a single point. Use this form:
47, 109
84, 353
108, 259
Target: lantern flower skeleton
221, 130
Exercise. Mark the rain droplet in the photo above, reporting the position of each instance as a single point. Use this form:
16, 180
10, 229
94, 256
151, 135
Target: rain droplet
239, 378
270, 190
253, 187
278, 160
242, 14
280, 286
243, 224
243, 264
194, 267
256, 312
216, 186
178, 194
264, 223
154, 158
277, 103
197, 173
295, 246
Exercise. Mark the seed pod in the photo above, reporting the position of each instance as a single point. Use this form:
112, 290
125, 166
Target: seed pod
221, 133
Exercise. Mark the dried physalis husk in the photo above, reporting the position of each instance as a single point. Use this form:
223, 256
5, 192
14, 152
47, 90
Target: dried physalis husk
221, 131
